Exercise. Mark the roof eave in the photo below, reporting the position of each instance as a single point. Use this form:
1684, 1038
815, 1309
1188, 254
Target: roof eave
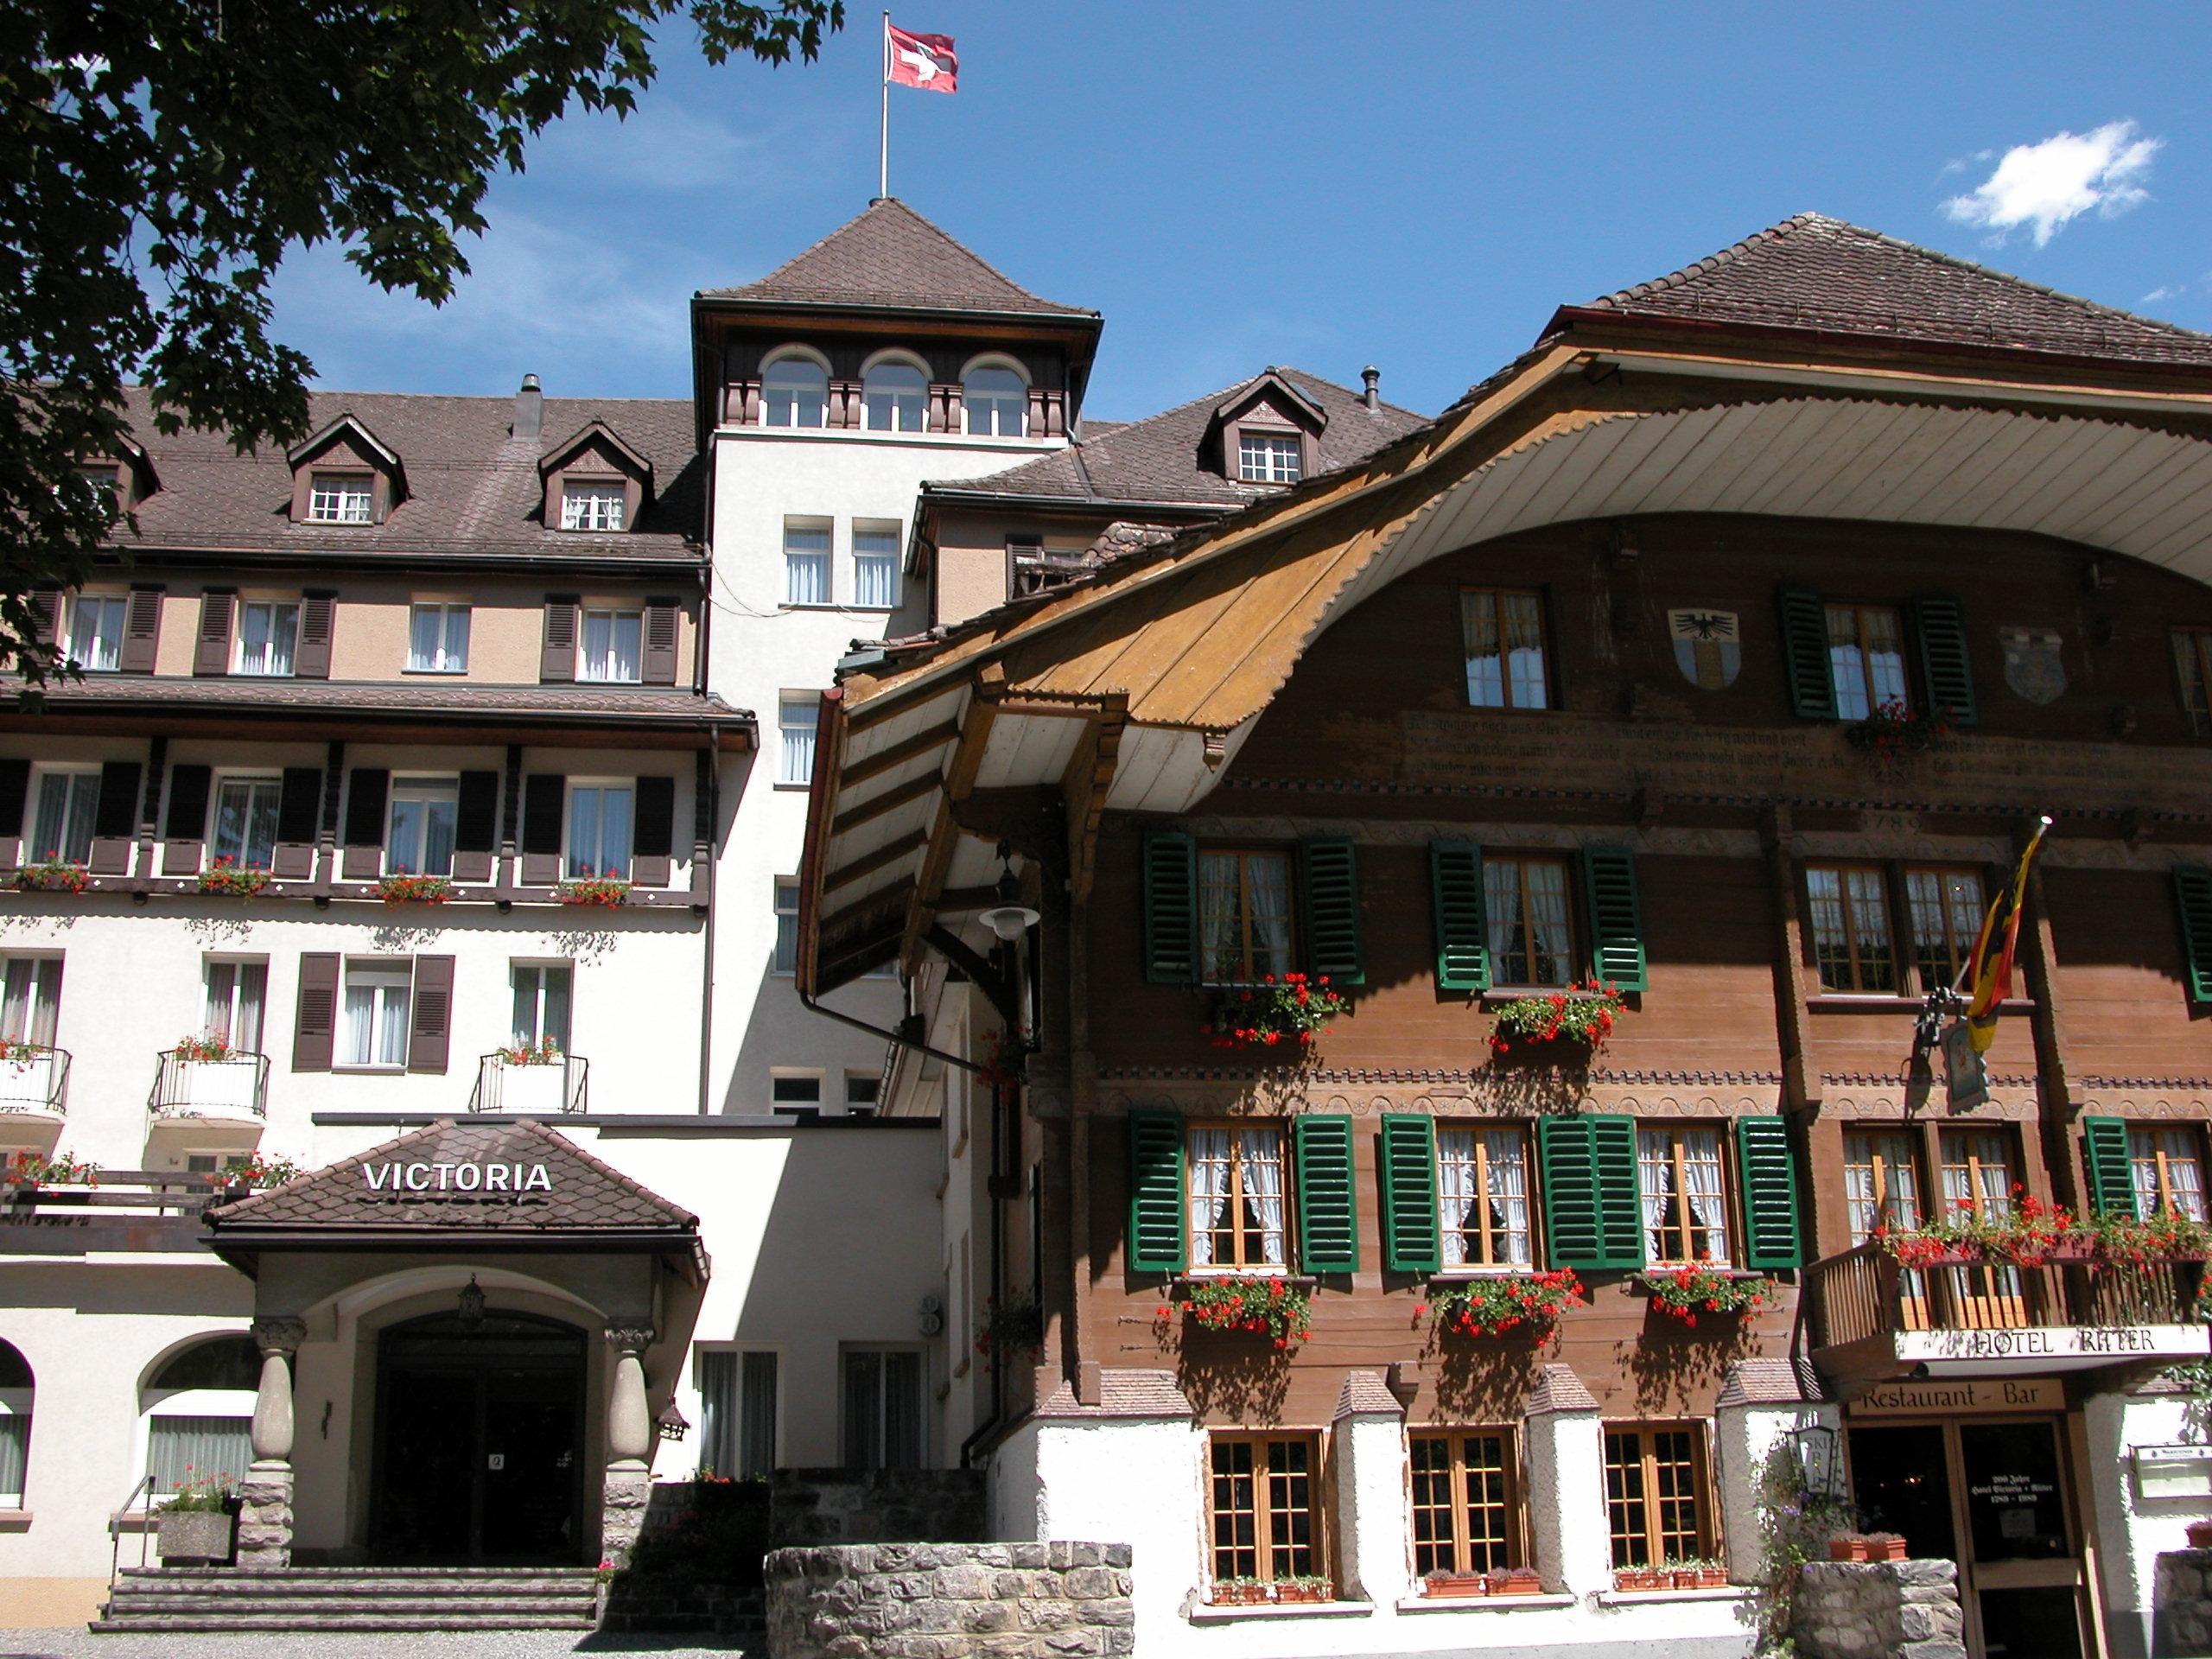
704, 302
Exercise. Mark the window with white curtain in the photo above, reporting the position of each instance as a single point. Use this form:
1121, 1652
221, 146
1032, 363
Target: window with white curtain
875, 565
592, 506
180, 1448
794, 391
245, 831
995, 404
15, 1402
786, 925
895, 398
806, 562
1685, 1206
1531, 935
542, 1003
600, 818
612, 647
237, 992
419, 839
62, 825
882, 1391
1482, 1194
1269, 458
438, 640
267, 633
1238, 1217
1243, 915
2168, 1166
737, 1398
30, 999
340, 499
96, 631
795, 722
379, 997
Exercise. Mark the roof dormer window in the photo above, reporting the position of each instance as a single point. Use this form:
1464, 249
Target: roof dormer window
341, 499
594, 482
996, 402
1267, 432
795, 392
344, 476
1270, 457
895, 398
593, 504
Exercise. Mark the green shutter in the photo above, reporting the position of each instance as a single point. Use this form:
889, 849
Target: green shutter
1328, 877
1944, 670
1170, 909
1158, 1242
1805, 654
1593, 1210
2193, 892
1407, 1155
1455, 885
1616, 917
1328, 1228
2112, 1185
1773, 1237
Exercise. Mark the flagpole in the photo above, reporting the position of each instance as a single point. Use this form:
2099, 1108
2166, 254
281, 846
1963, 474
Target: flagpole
883, 127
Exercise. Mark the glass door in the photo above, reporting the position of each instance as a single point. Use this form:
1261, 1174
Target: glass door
2026, 1569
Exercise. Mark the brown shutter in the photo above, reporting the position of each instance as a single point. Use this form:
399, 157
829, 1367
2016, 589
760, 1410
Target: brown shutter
114, 820
653, 832
476, 826
141, 631
46, 612
185, 826
660, 642
318, 621
315, 1034
297, 804
15, 796
212, 654
431, 1037
365, 790
544, 796
558, 659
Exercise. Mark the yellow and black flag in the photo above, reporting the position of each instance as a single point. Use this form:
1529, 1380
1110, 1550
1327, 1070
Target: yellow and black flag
1990, 973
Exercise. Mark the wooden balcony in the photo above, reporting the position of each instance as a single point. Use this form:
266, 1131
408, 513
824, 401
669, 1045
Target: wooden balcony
1869, 1320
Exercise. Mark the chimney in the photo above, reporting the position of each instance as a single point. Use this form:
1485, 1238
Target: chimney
1372, 377
530, 411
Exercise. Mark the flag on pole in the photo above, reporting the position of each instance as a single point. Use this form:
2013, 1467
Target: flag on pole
928, 61
1990, 972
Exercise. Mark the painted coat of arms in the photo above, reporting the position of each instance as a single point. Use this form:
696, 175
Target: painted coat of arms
2033, 666
1707, 647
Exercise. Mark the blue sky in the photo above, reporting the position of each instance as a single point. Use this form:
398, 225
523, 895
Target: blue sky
1411, 185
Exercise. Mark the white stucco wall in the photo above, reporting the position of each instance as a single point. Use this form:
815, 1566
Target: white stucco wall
2133, 1530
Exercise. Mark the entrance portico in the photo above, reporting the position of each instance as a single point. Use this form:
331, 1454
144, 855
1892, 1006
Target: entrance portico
465, 1333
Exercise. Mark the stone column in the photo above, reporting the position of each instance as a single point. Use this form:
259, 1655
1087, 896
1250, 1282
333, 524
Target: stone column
629, 1443
1761, 1404
1369, 1451
1567, 1485
265, 1509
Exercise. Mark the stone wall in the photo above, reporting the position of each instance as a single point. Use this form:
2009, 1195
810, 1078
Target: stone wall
1877, 1610
2181, 1604
950, 1601
889, 1506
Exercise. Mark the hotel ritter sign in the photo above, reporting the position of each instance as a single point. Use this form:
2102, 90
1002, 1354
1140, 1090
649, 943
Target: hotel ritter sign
443, 1176
2050, 1347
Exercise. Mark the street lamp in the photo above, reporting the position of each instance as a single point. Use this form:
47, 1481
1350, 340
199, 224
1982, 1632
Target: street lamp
1009, 918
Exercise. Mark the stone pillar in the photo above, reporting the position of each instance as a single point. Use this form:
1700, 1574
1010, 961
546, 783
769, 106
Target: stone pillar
1368, 1452
1761, 1402
629, 1443
265, 1509
1567, 1485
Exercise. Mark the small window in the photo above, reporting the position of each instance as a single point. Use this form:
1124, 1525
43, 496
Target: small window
1866, 659
541, 1014
1851, 938
419, 840
883, 1390
600, 819
341, 499
806, 562
1269, 458
1262, 1508
267, 633
1239, 1216
231, 1362
245, 828
875, 565
1465, 1501
2168, 1168
795, 1091
30, 999
1504, 634
737, 1399
795, 722
68, 803
1243, 915
795, 392
592, 506
95, 630
895, 398
1946, 908
238, 995
997, 403
611, 645
786, 925
1656, 1498
860, 1092
438, 640
1483, 1193
2193, 663
1531, 930
1685, 1199
379, 997
100, 480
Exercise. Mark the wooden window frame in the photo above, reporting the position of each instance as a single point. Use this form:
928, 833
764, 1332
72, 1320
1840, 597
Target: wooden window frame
1951, 1133
1456, 1553
1485, 1233
1498, 596
2199, 641
1860, 609
1577, 947
1247, 974
1236, 1128
1841, 869
1265, 1511
1960, 951
2195, 1131
1731, 1220
1652, 1539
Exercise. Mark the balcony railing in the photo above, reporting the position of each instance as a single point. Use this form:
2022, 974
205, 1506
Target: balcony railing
550, 1087
235, 1086
34, 1079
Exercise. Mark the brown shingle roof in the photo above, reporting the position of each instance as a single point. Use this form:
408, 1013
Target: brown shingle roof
473, 483
891, 256
595, 703
1156, 461
1123, 1394
1558, 1388
1770, 1382
1820, 273
1364, 1394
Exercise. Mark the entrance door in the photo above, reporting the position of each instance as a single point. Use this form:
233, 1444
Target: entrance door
1990, 1495
479, 1442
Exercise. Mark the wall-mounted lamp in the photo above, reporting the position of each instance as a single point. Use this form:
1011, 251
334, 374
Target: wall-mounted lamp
1009, 918
671, 1424
471, 1304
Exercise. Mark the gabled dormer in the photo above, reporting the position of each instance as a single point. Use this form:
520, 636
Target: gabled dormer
592, 481
1265, 432
127, 476
345, 474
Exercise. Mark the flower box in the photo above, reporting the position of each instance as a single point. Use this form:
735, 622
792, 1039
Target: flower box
1639, 1578
402, 888
227, 876
1449, 1584
1238, 1592
1282, 1012
1849, 1546
1305, 1590
53, 874
1712, 1577
201, 1535
1275, 1308
1568, 1026
1689, 1294
1505, 1305
609, 891
1515, 1581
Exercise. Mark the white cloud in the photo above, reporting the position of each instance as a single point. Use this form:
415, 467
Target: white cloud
2044, 185
2170, 291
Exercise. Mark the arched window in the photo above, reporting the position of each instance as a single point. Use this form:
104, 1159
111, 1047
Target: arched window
15, 1425
894, 397
199, 1408
997, 402
794, 391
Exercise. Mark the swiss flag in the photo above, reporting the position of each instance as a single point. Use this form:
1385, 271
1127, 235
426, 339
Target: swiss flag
928, 61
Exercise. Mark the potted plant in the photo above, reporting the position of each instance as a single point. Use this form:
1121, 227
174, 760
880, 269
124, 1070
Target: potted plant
1847, 1546
1496, 1306
52, 873
536, 1077
403, 887
1515, 1581
1238, 1592
1012, 1331
1893, 730
195, 1525
1281, 1008
27, 1170
1578, 1019
253, 1173
1885, 1546
227, 876
1685, 1576
1441, 1583
1306, 1587
608, 888
1637, 1578
1712, 1575
1686, 1292
1274, 1307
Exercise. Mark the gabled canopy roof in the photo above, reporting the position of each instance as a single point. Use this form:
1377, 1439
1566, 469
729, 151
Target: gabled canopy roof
597, 433
350, 425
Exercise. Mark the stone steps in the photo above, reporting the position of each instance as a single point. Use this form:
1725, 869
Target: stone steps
178, 1599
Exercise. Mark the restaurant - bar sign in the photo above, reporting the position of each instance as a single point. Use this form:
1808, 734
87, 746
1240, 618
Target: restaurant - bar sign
456, 1177
2057, 1346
